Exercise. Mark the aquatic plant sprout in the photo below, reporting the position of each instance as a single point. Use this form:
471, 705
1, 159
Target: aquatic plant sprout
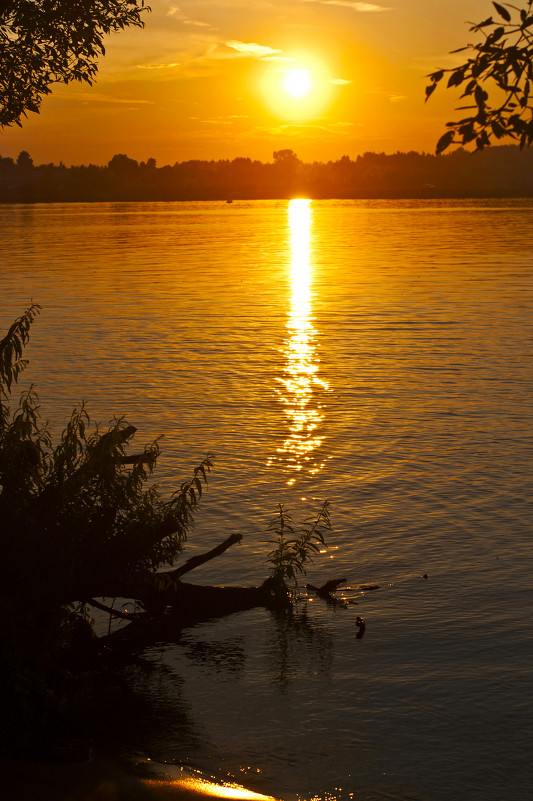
295, 547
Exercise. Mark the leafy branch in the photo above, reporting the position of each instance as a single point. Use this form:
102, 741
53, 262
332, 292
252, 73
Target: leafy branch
51, 41
80, 505
11, 347
295, 547
496, 80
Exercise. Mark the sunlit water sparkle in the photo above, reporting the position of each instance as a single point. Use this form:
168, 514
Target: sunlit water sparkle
377, 354
300, 379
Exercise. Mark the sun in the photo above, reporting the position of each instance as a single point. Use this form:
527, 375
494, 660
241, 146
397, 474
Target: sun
299, 91
297, 83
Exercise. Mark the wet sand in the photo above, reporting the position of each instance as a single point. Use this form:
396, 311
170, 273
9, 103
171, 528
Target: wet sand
96, 780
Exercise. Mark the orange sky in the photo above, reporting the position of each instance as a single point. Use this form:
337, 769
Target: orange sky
204, 79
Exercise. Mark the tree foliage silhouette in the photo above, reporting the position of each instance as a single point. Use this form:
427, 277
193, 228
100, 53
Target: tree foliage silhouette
76, 515
47, 41
496, 80
78, 522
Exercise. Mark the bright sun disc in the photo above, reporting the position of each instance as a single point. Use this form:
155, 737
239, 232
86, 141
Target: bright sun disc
299, 93
297, 83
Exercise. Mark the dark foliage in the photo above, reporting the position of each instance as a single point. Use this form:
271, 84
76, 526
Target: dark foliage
48, 41
502, 171
496, 81
77, 522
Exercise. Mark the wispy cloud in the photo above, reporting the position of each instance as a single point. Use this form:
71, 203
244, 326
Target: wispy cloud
290, 129
251, 49
392, 97
170, 65
364, 8
177, 13
98, 97
340, 81
279, 58
229, 120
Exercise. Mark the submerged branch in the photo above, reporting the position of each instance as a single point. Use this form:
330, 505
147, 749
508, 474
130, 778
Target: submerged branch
326, 589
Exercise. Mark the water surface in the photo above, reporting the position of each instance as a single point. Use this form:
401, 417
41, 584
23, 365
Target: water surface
374, 353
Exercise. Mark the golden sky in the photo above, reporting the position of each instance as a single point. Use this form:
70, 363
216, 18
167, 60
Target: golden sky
207, 79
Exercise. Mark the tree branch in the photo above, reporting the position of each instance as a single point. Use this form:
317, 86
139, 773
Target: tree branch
110, 611
196, 561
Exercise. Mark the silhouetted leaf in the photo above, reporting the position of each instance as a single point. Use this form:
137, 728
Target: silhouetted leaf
445, 141
480, 96
488, 21
502, 12
456, 78
495, 35
467, 132
497, 129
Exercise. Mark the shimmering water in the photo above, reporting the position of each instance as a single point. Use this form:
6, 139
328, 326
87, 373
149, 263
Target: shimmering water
377, 354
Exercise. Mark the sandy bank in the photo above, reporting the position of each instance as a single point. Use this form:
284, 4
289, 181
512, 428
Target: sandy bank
101, 780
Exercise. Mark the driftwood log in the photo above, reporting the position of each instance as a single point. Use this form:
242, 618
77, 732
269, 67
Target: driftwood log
170, 604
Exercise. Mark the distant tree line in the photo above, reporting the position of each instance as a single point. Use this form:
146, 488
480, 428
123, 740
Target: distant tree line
504, 171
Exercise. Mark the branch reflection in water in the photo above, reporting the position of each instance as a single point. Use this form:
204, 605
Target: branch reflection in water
301, 647
301, 387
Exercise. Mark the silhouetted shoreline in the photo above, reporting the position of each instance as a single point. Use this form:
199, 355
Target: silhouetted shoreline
504, 171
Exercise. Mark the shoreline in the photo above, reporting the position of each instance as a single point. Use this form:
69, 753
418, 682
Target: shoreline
106, 779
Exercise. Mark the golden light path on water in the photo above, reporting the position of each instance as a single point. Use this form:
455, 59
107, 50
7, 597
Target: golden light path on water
202, 787
300, 379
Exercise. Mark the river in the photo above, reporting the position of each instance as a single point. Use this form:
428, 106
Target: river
373, 353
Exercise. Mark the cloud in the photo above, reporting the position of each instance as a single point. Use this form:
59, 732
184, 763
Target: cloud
251, 49
313, 128
177, 13
219, 120
364, 8
98, 97
279, 58
340, 81
171, 65
392, 97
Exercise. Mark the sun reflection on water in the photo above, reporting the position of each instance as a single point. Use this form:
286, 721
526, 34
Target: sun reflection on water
223, 790
300, 385
192, 787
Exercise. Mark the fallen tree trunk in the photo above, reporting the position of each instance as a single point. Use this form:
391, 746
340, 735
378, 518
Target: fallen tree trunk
194, 602
170, 604
188, 605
